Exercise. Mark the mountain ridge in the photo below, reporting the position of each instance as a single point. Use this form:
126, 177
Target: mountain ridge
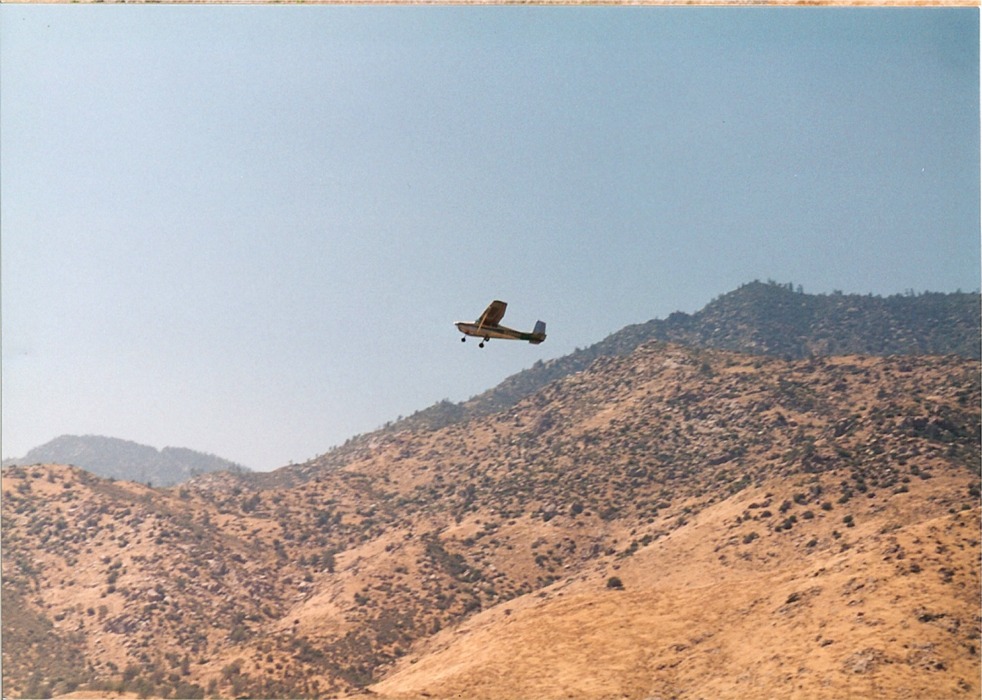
115, 458
762, 318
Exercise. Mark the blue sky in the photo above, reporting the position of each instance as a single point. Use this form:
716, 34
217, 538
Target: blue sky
249, 230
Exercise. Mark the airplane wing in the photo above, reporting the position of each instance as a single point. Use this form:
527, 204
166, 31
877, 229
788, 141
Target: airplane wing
493, 314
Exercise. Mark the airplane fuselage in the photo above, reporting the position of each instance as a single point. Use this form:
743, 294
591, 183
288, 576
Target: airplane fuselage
497, 331
488, 326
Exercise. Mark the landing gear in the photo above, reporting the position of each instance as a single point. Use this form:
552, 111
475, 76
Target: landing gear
480, 345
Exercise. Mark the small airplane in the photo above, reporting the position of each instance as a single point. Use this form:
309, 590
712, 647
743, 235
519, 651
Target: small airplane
487, 327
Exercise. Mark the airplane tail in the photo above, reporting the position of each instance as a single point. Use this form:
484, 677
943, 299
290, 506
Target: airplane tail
539, 332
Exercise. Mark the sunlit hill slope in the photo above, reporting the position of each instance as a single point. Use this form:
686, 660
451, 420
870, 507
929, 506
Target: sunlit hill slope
668, 523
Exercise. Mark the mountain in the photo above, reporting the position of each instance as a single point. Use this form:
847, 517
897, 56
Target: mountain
761, 318
121, 459
672, 522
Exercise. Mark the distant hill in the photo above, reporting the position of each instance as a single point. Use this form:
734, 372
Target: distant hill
764, 319
121, 459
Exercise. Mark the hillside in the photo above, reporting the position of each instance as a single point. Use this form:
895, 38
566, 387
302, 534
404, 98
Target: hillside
673, 522
121, 459
761, 318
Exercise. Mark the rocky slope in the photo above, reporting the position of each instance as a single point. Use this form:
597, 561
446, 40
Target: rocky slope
760, 318
673, 522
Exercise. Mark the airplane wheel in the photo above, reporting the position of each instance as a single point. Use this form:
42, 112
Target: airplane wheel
463, 340
480, 345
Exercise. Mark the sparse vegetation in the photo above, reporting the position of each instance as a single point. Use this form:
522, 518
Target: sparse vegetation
386, 541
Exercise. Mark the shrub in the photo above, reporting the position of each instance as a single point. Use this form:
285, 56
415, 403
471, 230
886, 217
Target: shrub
615, 583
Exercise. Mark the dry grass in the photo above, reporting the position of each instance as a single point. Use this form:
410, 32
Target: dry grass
832, 624
780, 529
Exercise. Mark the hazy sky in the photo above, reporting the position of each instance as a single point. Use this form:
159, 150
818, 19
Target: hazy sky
249, 230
